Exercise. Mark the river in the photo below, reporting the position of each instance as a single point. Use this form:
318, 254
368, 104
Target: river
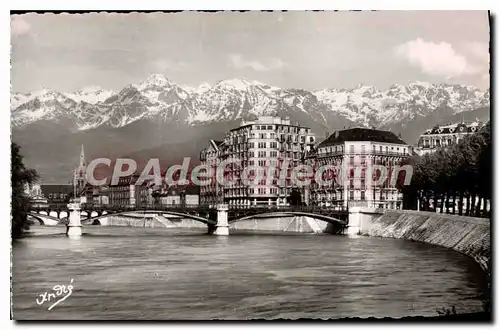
151, 273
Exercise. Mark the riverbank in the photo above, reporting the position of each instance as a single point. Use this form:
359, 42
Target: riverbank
467, 235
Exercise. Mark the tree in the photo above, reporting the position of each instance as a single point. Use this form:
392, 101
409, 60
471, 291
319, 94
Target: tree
295, 198
20, 177
462, 170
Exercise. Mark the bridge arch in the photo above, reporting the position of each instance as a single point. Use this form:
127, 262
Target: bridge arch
321, 217
37, 218
208, 222
42, 218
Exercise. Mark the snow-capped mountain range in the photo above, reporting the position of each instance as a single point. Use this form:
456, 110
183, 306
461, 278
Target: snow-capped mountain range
159, 99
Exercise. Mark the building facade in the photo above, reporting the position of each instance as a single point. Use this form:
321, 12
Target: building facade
267, 143
128, 193
57, 194
178, 196
211, 194
441, 136
353, 152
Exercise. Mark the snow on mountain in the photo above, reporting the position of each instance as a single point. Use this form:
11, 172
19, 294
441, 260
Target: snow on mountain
45, 104
369, 106
90, 94
159, 99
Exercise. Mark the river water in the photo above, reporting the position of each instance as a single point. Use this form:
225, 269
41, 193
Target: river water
151, 273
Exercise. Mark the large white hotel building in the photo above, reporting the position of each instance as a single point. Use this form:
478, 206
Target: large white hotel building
266, 142
355, 150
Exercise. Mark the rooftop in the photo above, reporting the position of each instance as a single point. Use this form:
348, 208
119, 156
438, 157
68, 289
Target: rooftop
455, 128
361, 134
268, 120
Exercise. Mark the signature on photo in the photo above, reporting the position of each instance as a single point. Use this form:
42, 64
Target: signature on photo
59, 290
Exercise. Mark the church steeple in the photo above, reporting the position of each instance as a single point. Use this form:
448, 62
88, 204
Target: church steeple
82, 158
79, 179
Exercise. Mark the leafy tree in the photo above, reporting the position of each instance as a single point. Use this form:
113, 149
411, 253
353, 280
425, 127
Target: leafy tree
460, 171
20, 177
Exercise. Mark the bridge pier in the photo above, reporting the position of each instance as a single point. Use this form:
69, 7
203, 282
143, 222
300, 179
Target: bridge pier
360, 219
74, 227
222, 226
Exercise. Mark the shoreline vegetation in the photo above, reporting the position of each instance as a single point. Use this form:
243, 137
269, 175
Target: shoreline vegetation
20, 202
451, 177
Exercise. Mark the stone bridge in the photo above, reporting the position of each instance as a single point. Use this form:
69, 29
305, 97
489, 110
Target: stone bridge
216, 219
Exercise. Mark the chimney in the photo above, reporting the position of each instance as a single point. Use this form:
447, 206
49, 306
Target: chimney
327, 134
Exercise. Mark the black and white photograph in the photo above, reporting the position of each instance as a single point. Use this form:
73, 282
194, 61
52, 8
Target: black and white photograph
251, 165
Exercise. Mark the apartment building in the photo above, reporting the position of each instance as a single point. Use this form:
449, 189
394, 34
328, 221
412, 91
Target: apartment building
128, 193
441, 136
267, 143
211, 194
353, 151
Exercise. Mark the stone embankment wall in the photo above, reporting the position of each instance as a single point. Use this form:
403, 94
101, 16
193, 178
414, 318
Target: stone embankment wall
467, 235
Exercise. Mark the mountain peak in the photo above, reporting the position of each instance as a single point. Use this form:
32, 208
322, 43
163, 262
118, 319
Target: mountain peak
90, 89
421, 83
234, 83
156, 79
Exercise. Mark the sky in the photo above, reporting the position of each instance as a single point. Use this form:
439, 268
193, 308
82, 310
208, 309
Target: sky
310, 50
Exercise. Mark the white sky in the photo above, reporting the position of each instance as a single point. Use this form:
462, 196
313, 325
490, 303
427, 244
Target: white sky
311, 50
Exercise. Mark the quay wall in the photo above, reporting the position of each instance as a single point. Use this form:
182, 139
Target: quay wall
467, 235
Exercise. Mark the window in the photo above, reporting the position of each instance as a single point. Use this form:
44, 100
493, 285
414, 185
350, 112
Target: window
269, 127
262, 154
351, 148
262, 145
351, 160
262, 163
363, 148
351, 195
274, 144
262, 135
274, 154
362, 195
